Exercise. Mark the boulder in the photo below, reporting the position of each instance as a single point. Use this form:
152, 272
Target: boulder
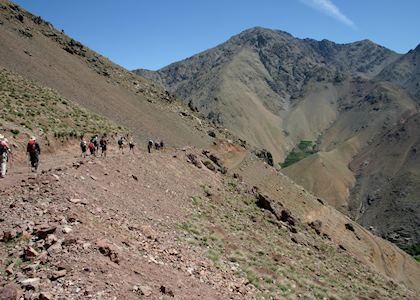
108, 249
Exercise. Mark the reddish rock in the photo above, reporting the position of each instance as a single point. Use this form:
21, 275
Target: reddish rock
109, 250
145, 290
58, 274
46, 296
30, 252
10, 292
43, 230
149, 232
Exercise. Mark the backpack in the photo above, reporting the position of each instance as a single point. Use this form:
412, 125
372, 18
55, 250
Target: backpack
120, 141
32, 148
83, 144
91, 145
2, 148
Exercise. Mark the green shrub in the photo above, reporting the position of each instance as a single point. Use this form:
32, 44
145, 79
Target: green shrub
14, 131
301, 151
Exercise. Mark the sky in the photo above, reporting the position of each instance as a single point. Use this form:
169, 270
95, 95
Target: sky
151, 34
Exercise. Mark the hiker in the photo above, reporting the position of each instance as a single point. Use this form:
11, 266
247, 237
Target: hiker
83, 146
131, 144
121, 144
161, 144
149, 145
33, 151
103, 143
5, 155
94, 140
157, 145
91, 147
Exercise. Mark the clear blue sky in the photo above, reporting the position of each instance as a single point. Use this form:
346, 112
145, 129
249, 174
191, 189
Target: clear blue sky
153, 33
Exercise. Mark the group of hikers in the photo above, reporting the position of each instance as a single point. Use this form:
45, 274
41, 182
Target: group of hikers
95, 144
32, 149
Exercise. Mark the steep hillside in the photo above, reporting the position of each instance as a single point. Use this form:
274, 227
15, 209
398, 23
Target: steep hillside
28, 109
34, 49
164, 225
386, 195
405, 71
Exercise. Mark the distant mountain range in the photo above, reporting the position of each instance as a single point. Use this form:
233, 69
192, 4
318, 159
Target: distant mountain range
357, 102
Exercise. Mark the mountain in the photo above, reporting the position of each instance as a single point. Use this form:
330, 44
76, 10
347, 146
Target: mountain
256, 77
405, 71
276, 91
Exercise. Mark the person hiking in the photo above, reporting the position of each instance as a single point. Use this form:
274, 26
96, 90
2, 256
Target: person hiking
157, 145
33, 151
94, 140
131, 144
121, 144
5, 156
83, 146
161, 144
103, 142
149, 145
91, 147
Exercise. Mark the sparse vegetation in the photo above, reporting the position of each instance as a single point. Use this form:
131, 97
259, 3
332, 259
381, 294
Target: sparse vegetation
301, 151
40, 110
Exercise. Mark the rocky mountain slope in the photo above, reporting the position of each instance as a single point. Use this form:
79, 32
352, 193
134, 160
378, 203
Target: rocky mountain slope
275, 91
165, 225
405, 72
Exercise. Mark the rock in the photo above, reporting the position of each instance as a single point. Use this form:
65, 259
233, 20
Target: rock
298, 239
265, 156
30, 252
30, 283
66, 229
55, 248
109, 250
43, 230
56, 177
145, 291
211, 134
209, 165
75, 200
135, 177
341, 247
264, 202
316, 225
166, 291
8, 236
218, 162
286, 216
93, 177
46, 296
149, 232
9, 269
58, 274
349, 226
192, 158
10, 292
